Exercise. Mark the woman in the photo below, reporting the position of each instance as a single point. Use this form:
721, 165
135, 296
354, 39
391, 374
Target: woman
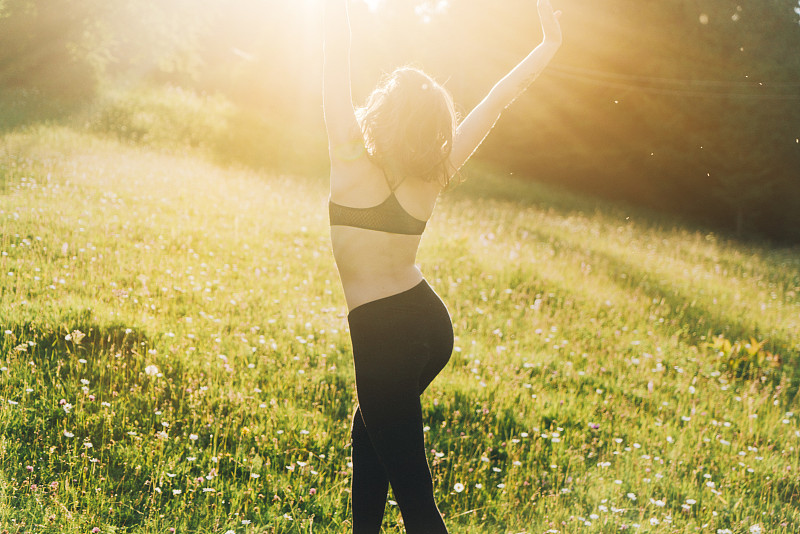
389, 162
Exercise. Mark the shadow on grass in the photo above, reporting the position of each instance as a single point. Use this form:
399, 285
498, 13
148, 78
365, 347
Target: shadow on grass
691, 318
481, 182
48, 346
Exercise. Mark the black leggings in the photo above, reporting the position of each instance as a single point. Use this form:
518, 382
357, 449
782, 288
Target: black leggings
400, 343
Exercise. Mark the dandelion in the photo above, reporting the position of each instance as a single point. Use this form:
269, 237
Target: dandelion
77, 336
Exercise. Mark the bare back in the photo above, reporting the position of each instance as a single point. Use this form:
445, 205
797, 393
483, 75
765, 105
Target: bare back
374, 264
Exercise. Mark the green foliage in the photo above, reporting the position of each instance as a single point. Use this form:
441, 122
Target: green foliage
174, 118
68, 49
191, 320
168, 117
685, 107
745, 359
41, 47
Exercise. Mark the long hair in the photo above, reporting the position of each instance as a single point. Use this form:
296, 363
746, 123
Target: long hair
408, 123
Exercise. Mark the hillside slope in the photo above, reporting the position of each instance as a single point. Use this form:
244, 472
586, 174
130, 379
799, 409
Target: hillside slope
174, 355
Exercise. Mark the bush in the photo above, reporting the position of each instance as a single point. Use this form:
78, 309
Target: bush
170, 117
174, 118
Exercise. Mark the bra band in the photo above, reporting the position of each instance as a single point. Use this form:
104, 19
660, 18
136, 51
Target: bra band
388, 216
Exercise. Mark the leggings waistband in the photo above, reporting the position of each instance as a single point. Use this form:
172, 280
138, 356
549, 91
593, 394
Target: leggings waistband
409, 296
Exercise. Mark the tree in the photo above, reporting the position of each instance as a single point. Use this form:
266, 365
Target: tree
64, 48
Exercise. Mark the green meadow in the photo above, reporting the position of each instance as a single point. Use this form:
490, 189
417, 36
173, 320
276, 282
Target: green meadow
174, 355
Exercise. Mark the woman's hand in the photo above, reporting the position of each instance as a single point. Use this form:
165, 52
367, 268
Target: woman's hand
550, 26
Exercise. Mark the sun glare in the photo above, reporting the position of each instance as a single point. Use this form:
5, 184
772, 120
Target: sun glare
427, 10
373, 5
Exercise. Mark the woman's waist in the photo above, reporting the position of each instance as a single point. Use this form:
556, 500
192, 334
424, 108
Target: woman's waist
364, 285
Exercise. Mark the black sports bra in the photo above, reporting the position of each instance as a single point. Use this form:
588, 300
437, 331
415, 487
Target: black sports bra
388, 216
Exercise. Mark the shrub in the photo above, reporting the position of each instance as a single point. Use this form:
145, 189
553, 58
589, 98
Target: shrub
174, 118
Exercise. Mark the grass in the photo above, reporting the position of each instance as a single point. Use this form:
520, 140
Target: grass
175, 355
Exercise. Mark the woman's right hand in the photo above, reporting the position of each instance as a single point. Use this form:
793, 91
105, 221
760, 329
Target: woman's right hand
550, 25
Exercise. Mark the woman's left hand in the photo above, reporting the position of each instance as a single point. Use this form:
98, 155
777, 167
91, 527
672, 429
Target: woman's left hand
550, 25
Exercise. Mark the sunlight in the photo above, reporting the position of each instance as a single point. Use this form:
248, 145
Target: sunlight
373, 5
428, 9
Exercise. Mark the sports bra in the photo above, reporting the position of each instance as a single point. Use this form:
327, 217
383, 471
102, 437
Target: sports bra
388, 216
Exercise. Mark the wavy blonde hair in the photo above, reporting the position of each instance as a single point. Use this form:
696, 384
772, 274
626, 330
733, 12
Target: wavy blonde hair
408, 123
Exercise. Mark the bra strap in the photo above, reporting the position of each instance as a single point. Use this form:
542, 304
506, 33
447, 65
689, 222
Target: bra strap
389, 183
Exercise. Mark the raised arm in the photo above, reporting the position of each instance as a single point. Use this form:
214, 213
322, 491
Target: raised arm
340, 119
476, 126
